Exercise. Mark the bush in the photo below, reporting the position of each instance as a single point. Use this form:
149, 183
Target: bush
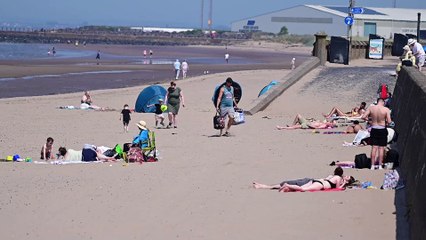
283, 31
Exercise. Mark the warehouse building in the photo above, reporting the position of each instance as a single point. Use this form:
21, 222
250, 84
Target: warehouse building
310, 19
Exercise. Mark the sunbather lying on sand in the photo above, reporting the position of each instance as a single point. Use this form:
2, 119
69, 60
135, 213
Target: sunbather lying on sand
308, 184
355, 112
303, 123
354, 128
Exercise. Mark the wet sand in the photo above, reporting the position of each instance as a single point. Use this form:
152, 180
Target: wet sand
34, 77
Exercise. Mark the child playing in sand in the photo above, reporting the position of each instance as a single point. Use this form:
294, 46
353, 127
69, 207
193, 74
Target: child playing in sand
159, 117
125, 115
46, 150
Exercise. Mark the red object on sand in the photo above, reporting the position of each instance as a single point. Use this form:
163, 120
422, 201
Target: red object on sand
384, 91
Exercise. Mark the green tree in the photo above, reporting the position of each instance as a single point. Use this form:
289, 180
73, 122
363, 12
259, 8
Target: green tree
283, 31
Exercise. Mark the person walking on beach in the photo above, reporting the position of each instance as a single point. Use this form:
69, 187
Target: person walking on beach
177, 66
174, 98
225, 104
150, 53
227, 57
125, 115
144, 53
380, 118
293, 63
418, 52
98, 57
159, 117
185, 69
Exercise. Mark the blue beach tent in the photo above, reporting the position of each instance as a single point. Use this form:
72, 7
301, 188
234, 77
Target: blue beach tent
267, 87
148, 96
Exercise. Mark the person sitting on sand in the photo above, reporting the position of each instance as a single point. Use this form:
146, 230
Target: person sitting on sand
355, 112
337, 180
86, 98
142, 139
46, 150
354, 128
303, 123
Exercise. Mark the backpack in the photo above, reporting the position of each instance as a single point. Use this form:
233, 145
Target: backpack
392, 156
135, 155
383, 91
362, 161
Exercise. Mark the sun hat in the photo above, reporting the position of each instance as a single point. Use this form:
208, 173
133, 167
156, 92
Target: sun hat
411, 41
141, 125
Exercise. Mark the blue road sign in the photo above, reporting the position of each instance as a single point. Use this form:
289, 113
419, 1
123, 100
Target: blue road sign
349, 20
357, 10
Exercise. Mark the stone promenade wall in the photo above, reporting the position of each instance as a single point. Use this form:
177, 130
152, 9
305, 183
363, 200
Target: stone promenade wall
409, 113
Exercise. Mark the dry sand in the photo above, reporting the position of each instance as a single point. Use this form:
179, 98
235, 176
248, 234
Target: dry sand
200, 188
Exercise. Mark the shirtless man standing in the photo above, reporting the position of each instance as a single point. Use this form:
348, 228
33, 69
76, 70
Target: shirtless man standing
380, 117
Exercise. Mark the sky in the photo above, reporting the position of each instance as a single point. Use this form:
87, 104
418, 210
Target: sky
161, 13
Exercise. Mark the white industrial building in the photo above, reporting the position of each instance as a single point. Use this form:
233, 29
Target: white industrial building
310, 19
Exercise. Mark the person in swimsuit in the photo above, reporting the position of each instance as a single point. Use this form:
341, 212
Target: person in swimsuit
354, 128
303, 123
380, 118
338, 180
86, 98
355, 112
46, 150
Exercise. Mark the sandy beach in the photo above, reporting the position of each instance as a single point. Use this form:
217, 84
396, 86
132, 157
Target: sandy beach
201, 188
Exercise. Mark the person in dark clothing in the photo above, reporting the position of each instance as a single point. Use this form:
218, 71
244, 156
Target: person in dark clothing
159, 117
125, 115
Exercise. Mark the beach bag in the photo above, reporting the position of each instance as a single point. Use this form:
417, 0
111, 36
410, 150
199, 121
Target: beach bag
362, 134
135, 155
109, 153
362, 161
239, 116
383, 91
218, 122
391, 180
392, 156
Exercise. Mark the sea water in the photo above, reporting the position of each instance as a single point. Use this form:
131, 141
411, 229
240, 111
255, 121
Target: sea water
18, 51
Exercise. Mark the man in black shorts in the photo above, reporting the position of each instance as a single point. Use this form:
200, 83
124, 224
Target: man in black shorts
380, 118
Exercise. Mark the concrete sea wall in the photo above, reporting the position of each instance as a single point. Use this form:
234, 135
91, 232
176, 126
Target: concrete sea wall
409, 113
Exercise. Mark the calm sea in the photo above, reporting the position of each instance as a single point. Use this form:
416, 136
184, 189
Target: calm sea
16, 51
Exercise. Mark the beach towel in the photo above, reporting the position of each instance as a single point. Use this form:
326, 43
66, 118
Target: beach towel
325, 190
334, 132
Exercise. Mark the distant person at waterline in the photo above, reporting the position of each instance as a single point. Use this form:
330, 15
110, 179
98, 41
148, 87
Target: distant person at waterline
293, 63
185, 68
98, 57
227, 57
177, 66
